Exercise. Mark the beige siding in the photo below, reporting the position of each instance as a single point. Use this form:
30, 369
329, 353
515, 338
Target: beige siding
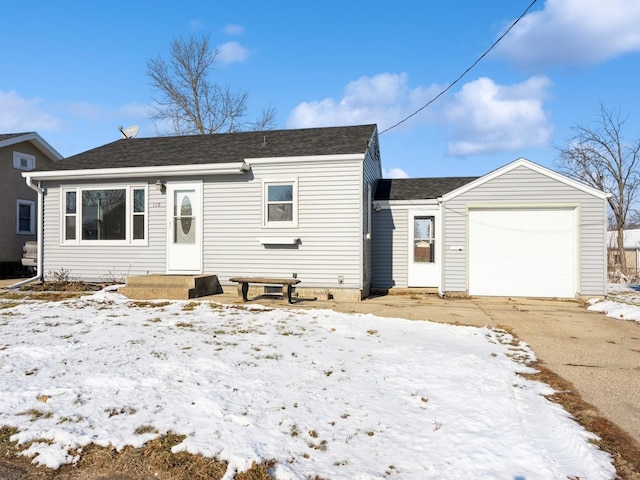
522, 186
13, 188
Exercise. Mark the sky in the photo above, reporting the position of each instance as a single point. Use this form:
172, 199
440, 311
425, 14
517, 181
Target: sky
341, 396
75, 71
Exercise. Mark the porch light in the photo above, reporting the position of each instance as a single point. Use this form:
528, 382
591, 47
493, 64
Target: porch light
161, 186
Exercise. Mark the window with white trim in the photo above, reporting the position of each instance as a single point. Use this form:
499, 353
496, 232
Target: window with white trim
25, 217
105, 215
280, 204
24, 161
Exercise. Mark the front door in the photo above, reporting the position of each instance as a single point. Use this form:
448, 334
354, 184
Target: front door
184, 227
423, 269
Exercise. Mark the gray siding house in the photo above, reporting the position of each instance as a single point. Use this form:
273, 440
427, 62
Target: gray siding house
521, 230
269, 204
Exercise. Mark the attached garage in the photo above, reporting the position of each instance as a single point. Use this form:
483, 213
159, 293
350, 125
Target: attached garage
523, 252
522, 230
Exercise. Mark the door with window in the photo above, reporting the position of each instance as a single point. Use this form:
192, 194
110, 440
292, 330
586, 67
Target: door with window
184, 222
423, 269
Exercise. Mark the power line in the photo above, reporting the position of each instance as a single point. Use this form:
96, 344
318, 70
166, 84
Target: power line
463, 73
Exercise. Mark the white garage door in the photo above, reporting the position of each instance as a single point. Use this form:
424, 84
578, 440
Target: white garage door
523, 252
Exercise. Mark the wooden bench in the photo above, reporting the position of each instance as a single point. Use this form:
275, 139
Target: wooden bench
243, 285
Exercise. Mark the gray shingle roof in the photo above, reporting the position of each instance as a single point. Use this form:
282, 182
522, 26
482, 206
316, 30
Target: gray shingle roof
221, 148
418, 188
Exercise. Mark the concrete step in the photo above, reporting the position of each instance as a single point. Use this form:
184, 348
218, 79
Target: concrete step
171, 287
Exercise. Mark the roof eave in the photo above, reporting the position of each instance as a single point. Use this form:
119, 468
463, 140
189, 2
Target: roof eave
137, 172
38, 141
306, 158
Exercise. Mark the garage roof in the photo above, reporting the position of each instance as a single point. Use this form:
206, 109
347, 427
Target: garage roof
418, 188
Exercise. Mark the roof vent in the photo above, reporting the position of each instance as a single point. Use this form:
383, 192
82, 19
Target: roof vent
265, 142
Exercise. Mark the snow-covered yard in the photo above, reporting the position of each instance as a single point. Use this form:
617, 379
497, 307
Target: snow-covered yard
324, 393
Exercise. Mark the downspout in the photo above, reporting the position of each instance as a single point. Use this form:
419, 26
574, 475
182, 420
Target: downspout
39, 234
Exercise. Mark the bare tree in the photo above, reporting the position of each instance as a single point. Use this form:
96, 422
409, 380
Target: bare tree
599, 156
190, 102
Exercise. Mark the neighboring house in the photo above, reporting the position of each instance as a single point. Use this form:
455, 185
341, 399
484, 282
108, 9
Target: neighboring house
521, 230
631, 239
273, 203
19, 152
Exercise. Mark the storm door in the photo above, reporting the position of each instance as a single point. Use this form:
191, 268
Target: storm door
184, 228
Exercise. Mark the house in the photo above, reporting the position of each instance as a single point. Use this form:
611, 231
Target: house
274, 203
521, 230
631, 242
19, 152
312, 203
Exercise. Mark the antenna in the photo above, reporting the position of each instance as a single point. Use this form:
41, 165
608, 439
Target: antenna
129, 132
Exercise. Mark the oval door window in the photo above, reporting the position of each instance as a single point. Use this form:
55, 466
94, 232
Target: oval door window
186, 213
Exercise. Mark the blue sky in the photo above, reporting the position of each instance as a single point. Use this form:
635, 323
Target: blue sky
75, 71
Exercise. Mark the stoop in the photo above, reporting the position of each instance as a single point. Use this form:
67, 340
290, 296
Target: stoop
170, 287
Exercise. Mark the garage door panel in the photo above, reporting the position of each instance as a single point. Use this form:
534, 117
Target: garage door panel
522, 252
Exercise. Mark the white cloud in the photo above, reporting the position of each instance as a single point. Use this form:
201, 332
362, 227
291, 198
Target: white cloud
19, 114
394, 173
383, 99
232, 52
134, 110
486, 117
577, 32
233, 29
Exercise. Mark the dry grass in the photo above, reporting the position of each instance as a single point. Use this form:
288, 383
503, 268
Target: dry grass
613, 439
153, 461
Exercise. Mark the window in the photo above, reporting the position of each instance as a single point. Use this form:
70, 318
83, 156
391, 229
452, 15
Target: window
109, 215
24, 161
25, 217
423, 240
280, 204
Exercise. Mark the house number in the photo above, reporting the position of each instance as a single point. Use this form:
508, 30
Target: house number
155, 204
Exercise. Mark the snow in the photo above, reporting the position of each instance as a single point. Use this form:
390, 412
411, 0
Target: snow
342, 396
622, 302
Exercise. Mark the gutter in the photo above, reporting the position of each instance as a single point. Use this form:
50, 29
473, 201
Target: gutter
39, 234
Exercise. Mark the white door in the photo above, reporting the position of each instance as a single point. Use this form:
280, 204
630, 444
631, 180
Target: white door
524, 252
184, 227
424, 268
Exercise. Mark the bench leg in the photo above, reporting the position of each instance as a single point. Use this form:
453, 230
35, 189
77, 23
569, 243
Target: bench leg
243, 289
289, 291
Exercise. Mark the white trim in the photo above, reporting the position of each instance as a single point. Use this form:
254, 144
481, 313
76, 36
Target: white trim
137, 172
523, 162
266, 182
36, 140
279, 240
32, 214
305, 158
128, 240
18, 157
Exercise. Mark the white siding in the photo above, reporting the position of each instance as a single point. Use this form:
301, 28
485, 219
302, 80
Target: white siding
390, 247
524, 186
372, 172
103, 262
329, 199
